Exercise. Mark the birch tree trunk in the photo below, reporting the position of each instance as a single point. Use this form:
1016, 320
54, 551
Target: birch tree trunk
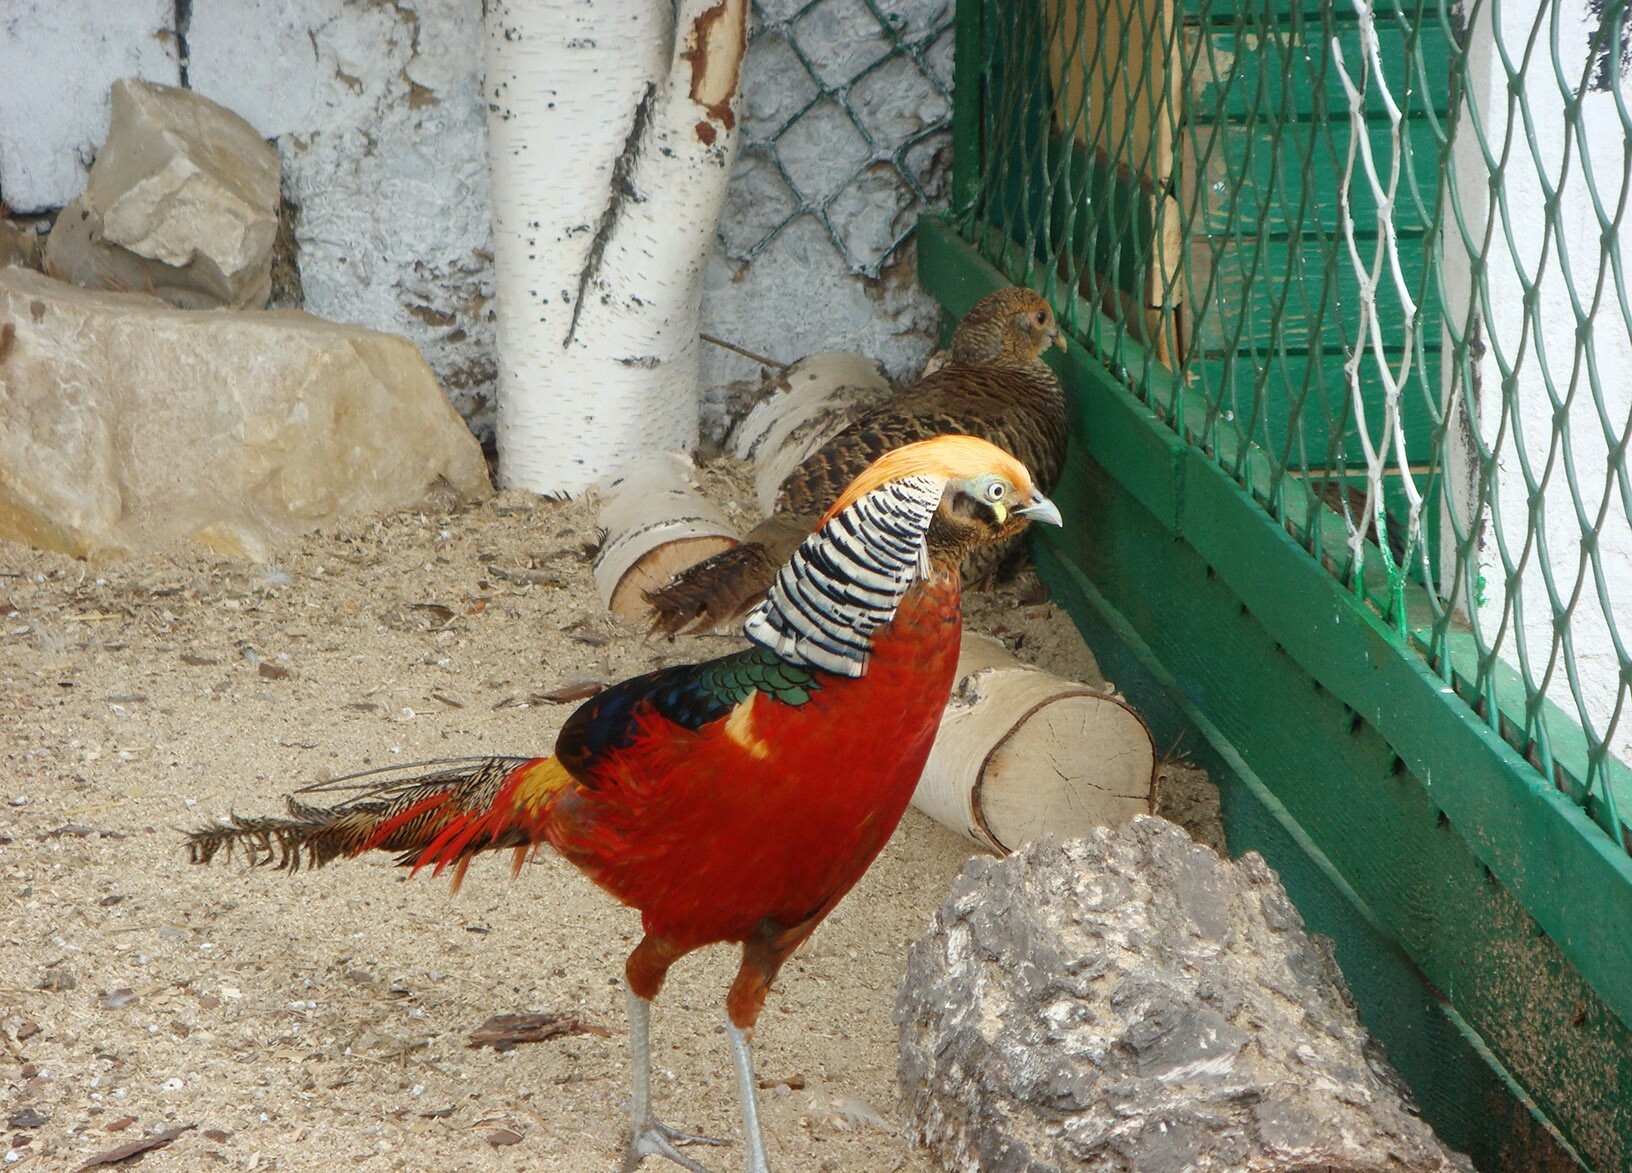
612, 127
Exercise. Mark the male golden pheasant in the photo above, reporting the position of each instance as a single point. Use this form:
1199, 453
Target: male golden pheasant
994, 385
736, 800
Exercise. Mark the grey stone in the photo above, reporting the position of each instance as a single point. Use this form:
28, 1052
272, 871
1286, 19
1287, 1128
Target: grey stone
777, 11
940, 57
1132, 1002
126, 424
757, 203
892, 103
929, 162
911, 19
182, 202
873, 215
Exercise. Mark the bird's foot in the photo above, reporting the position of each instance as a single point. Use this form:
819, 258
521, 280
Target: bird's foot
654, 1138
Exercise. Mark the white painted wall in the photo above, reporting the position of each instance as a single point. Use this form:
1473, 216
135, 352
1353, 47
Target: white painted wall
1551, 335
376, 111
57, 60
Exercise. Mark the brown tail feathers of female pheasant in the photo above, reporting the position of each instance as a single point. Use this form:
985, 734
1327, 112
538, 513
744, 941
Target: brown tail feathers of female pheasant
994, 385
723, 588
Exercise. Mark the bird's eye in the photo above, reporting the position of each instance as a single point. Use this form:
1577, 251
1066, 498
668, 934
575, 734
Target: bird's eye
995, 491
1042, 317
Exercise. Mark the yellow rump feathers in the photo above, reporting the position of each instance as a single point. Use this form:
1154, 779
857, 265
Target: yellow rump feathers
538, 783
949, 457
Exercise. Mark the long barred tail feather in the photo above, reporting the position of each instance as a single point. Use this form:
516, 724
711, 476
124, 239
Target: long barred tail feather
383, 780
306, 838
433, 814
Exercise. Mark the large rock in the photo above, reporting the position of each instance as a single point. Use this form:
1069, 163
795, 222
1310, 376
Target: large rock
182, 202
126, 423
1130, 1001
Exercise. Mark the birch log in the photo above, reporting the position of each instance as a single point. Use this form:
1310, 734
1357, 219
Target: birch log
612, 127
819, 396
1022, 753
656, 523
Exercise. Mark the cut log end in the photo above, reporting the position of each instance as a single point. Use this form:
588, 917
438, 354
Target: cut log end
656, 524
656, 567
1022, 754
1075, 762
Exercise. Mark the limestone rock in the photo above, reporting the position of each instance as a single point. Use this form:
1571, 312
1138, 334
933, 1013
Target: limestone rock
1130, 1001
126, 423
77, 252
182, 202
18, 247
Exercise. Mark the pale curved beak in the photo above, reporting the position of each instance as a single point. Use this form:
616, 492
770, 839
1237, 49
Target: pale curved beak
1059, 339
1040, 508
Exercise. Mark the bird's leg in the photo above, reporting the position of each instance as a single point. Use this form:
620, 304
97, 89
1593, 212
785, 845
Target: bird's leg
742, 1058
762, 958
649, 1134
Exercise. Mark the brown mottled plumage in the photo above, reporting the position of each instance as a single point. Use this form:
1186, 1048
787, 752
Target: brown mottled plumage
994, 385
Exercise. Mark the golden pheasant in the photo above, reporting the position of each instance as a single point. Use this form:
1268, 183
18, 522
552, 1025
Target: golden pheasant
731, 801
993, 385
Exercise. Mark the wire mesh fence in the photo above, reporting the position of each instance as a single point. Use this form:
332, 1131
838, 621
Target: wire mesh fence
1368, 256
853, 129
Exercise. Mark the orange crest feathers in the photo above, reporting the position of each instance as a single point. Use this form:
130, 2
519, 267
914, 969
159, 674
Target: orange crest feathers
950, 457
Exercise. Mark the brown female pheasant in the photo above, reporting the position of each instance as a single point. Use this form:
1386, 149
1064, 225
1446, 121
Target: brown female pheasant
994, 385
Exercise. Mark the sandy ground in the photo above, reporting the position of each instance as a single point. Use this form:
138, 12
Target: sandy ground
320, 1021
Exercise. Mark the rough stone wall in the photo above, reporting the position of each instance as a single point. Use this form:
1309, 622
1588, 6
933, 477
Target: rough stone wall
383, 138
376, 113
57, 60
846, 138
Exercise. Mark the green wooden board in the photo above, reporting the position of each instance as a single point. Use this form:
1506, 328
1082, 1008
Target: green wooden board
1230, 12
1299, 407
1275, 70
1299, 292
1289, 183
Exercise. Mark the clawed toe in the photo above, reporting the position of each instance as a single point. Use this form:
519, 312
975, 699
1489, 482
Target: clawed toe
658, 1139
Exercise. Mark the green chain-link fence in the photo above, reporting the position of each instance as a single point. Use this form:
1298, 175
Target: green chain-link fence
1360, 266
1369, 257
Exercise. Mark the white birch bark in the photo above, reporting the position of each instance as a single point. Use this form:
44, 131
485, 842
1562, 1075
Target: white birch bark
612, 129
